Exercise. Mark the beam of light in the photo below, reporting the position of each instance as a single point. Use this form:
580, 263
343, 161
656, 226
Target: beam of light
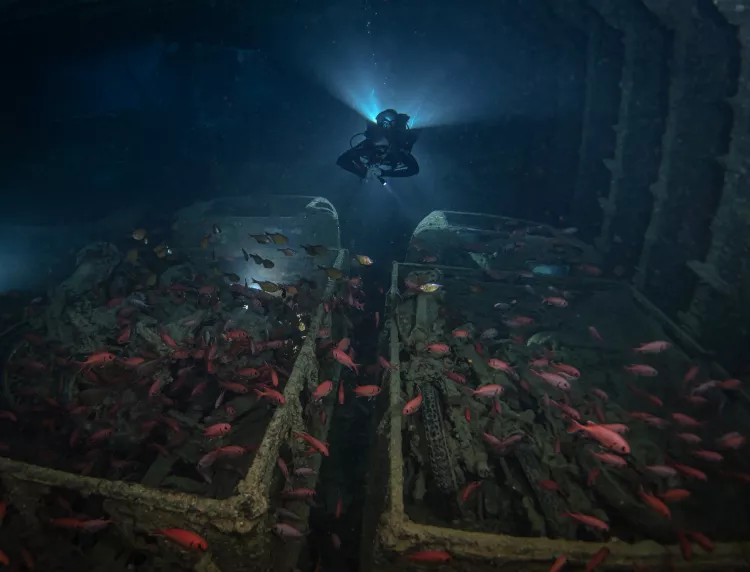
437, 88
371, 68
366, 90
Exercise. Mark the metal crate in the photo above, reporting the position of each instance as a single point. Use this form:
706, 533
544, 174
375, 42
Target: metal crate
491, 243
237, 529
396, 529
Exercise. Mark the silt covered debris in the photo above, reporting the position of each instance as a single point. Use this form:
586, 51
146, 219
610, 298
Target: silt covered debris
508, 366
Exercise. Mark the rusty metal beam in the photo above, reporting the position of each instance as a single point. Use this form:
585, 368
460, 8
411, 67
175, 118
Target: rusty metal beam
687, 189
635, 164
719, 309
603, 72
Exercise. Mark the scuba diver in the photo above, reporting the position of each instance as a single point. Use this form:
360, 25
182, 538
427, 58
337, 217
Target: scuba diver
385, 150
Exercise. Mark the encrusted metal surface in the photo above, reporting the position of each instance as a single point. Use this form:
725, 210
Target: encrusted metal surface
441, 464
237, 529
393, 535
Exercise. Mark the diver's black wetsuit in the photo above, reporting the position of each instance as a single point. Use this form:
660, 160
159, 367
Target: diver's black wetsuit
387, 149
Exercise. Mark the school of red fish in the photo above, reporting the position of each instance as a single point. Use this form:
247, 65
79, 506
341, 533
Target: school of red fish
156, 391
130, 392
707, 451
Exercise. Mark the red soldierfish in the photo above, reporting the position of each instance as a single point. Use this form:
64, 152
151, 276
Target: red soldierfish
600, 394
587, 520
367, 391
596, 559
691, 438
339, 507
271, 394
430, 557
553, 379
711, 456
704, 542
235, 335
305, 472
641, 369
469, 489
695, 399
124, 335
591, 479
690, 374
345, 360
283, 530
608, 439
438, 349
655, 504
207, 460
217, 430
731, 441
569, 411
493, 390
101, 435
705, 386
283, 468
502, 366
566, 369
494, 442
661, 471
652, 420
250, 372
595, 333
184, 538
653, 347
675, 495
167, 339
590, 269
312, 441
518, 321
686, 420
322, 390
155, 389
560, 561
610, 459
685, 547
385, 364
555, 301
453, 376
731, 384
413, 405
99, 358
198, 389
502, 446
233, 387
690, 472
274, 376
551, 486
95, 524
